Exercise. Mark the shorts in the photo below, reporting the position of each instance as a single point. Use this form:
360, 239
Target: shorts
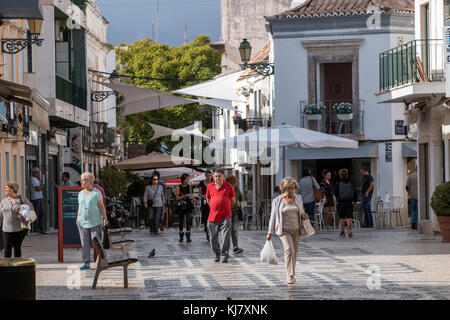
345, 210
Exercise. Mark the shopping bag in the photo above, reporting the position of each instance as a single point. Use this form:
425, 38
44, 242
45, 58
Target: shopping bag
306, 229
268, 253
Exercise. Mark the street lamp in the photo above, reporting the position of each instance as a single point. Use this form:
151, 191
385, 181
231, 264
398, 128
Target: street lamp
262, 68
13, 46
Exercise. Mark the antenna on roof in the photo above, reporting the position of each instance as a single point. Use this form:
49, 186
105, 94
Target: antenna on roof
185, 34
157, 21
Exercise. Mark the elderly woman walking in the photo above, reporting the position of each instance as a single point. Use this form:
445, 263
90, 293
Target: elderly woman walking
91, 211
285, 221
14, 225
154, 198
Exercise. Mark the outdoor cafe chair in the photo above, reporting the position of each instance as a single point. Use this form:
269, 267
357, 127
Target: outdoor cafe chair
318, 215
395, 204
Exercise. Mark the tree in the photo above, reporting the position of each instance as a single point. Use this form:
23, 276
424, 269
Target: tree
183, 64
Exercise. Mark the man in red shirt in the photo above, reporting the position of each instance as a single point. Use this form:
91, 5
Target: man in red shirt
220, 197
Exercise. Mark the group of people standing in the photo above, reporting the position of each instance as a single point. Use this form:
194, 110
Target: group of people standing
338, 197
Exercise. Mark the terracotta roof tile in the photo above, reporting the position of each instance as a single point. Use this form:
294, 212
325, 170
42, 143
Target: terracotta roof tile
262, 55
344, 7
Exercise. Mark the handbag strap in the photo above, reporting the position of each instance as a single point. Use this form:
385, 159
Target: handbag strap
154, 195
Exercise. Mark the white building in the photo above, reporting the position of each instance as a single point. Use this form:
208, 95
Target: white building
100, 57
325, 53
417, 82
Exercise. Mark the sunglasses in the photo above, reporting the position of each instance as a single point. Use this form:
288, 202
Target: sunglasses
155, 179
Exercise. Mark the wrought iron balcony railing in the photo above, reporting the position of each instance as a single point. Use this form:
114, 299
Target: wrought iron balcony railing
415, 61
254, 123
332, 122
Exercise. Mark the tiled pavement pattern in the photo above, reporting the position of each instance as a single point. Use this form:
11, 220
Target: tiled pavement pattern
412, 266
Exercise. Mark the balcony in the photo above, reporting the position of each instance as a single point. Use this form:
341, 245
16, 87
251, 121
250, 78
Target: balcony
254, 123
331, 122
71, 93
411, 71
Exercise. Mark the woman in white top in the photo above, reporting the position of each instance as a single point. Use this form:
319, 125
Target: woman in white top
285, 221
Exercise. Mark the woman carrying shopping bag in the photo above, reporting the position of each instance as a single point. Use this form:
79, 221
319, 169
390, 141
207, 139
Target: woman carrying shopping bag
286, 220
13, 224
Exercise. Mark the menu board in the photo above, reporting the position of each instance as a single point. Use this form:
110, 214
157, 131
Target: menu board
68, 235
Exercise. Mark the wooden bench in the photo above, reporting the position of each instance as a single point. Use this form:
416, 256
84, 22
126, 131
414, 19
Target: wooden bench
122, 259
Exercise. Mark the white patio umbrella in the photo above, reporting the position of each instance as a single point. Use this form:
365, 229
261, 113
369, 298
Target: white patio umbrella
281, 137
166, 173
139, 100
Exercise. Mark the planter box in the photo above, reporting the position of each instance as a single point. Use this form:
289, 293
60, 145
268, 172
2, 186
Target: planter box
236, 121
345, 117
313, 116
444, 223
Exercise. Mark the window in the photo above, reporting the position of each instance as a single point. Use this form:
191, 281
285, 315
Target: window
22, 174
7, 166
15, 168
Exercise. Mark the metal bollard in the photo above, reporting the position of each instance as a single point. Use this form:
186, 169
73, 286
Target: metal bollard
18, 279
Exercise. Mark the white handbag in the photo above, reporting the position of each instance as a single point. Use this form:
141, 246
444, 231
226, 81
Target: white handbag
306, 228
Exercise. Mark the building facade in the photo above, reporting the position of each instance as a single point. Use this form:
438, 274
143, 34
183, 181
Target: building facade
324, 54
417, 82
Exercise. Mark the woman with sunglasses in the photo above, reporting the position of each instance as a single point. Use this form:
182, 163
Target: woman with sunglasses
154, 199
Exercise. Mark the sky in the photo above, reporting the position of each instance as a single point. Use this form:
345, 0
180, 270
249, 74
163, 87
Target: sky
132, 20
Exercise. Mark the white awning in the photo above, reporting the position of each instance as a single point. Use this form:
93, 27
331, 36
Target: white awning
139, 100
221, 103
161, 131
364, 150
221, 87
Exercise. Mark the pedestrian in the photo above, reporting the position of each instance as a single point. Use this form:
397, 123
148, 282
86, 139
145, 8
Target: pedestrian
328, 192
411, 187
97, 185
91, 212
154, 199
277, 192
163, 185
183, 195
236, 210
13, 225
345, 196
367, 185
203, 185
285, 221
37, 199
65, 177
307, 185
220, 196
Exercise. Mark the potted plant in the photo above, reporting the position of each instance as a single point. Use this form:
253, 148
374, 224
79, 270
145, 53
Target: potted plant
440, 202
237, 118
344, 111
313, 111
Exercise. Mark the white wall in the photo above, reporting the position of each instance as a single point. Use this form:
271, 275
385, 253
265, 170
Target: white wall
45, 69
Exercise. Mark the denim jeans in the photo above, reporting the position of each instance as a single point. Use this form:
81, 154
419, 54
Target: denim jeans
414, 211
154, 218
309, 209
234, 229
367, 210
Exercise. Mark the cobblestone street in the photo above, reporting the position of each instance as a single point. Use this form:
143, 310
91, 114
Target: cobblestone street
412, 266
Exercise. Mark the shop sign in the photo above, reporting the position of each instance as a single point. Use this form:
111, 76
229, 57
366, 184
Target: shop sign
388, 151
400, 128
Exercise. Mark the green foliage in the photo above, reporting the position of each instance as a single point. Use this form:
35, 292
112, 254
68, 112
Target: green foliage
314, 109
343, 108
145, 58
440, 200
136, 187
113, 181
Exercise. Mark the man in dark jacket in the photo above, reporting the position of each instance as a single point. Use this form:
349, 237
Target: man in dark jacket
345, 196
